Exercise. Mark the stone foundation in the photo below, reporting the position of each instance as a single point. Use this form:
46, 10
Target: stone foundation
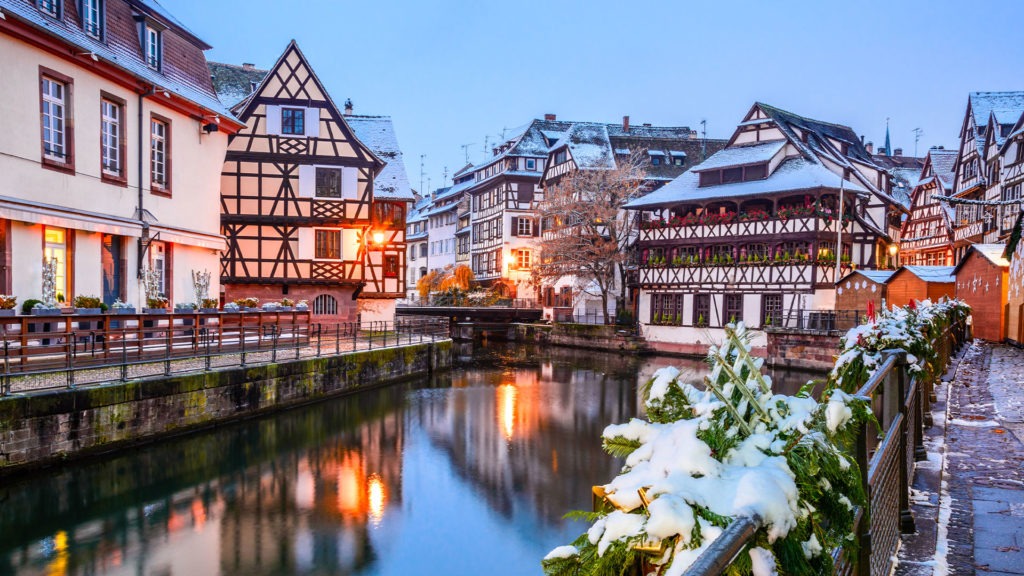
46, 427
587, 336
347, 310
805, 350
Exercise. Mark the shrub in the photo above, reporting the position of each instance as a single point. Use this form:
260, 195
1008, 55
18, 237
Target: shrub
28, 305
156, 302
210, 303
8, 302
87, 302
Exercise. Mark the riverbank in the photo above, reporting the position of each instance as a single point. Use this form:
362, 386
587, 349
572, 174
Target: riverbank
42, 428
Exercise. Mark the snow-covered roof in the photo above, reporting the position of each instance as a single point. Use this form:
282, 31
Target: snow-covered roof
795, 174
234, 83
656, 152
742, 155
590, 146
943, 164
378, 133
984, 103
876, 276
622, 151
994, 252
935, 274
127, 57
677, 153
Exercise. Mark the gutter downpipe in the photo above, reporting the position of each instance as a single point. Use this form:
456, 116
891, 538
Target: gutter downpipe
144, 240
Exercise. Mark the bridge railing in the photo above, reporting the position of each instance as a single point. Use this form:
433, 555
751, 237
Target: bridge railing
885, 454
530, 303
69, 352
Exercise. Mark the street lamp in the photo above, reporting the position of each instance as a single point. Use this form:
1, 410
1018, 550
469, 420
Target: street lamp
893, 249
378, 238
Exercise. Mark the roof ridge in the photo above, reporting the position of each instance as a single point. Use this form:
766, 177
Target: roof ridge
762, 104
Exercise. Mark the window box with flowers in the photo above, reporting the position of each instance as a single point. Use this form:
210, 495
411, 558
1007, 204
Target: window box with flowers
755, 215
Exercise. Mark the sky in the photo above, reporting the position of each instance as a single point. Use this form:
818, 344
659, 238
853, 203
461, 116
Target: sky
453, 73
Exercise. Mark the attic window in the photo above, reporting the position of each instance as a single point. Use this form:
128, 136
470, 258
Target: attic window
734, 174
92, 18
49, 7
153, 47
657, 157
678, 157
531, 164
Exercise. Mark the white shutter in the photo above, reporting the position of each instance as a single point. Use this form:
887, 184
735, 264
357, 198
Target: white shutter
350, 183
306, 244
349, 244
307, 181
313, 122
273, 120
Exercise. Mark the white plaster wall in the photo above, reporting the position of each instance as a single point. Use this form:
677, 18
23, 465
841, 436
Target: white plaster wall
692, 335
752, 310
88, 272
26, 260
187, 259
376, 310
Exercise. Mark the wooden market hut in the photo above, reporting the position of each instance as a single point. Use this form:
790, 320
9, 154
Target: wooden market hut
1015, 290
982, 282
920, 283
856, 289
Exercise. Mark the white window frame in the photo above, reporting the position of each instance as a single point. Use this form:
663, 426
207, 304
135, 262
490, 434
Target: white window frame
531, 163
111, 116
158, 264
49, 7
341, 245
524, 258
55, 145
154, 47
158, 153
526, 230
92, 18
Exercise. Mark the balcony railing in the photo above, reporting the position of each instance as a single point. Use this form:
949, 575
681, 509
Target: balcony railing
771, 227
739, 276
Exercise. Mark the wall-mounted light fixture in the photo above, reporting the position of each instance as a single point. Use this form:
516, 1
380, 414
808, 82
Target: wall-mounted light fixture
378, 238
93, 55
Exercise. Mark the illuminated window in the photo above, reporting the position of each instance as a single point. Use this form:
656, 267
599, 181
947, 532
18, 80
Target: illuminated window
521, 259
391, 265
55, 247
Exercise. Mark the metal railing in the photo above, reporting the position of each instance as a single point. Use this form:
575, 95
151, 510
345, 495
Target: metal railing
500, 303
818, 321
46, 352
900, 401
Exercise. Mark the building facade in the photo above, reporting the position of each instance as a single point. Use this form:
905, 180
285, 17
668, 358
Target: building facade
927, 235
112, 142
313, 201
662, 152
753, 232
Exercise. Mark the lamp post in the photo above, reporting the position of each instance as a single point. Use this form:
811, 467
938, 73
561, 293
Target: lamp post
893, 249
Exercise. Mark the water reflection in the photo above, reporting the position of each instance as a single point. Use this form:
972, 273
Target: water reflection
469, 473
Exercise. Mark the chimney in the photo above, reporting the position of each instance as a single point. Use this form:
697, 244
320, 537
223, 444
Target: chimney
647, 124
348, 107
870, 147
248, 66
549, 117
625, 123
897, 152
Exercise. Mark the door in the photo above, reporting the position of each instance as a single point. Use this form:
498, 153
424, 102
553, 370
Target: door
112, 267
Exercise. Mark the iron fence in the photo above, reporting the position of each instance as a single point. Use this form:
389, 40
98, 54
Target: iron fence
886, 454
68, 351
818, 321
530, 303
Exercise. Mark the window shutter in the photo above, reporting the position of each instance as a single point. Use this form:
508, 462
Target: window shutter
273, 120
535, 227
350, 183
313, 122
306, 242
307, 181
515, 226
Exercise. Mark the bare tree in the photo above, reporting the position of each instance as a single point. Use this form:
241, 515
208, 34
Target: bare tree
587, 234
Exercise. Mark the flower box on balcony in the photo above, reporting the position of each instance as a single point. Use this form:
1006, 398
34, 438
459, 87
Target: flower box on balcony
88, 310
7, 312
154, 310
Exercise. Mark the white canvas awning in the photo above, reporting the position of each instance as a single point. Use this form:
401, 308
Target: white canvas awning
188, 237
49, 215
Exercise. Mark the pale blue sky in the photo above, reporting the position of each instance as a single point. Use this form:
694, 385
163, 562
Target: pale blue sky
455, 72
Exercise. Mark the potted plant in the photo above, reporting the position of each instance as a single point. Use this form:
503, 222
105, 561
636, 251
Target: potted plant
88, 305
7, 304
44, 309
302, 306
657, 318
208, 306
232, 308
286, 305
119, 307
155, 305
270, 306
700, 321
184, 307
250, 304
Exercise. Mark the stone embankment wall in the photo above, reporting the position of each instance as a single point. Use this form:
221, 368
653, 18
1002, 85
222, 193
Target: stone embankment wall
804, 350
588, 336
41, 428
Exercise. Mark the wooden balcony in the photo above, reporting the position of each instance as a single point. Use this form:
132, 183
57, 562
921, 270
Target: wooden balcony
278, 271
767, 228
742, 277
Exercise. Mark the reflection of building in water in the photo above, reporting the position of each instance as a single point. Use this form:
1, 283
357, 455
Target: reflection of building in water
315, 512
515, 433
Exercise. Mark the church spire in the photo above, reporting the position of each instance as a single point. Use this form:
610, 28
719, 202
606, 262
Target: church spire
888, 145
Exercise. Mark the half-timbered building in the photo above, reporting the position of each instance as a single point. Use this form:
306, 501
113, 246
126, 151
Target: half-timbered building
927, 235
664, 153
1010, 158
977, 169
1015, 284
753, 233
313, 201
111, 148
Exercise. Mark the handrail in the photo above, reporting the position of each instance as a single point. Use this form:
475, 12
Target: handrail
885, 465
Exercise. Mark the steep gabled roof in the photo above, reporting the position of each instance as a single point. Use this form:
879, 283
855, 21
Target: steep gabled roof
787, 121
876, 276
994, 253
590, 146
983, 104
234, 83
741, 155
378, 133
935, 274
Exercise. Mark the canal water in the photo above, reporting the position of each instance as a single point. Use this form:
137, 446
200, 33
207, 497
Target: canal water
469, 473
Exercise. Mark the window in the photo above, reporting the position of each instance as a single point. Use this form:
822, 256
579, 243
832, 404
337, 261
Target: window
734, 307
328, 244
49, 7
158, 264
731, 175
391, 265
560, 156
389, 215
112, 138
92, 21
56, 137
521, 259
678, 160
531, 164
293, 121
153, 47
701, 309
328, 182
655, 161
771, 310
423, 250
55, 247
710, 178
325, 304
160, 154
524, 227
667, 309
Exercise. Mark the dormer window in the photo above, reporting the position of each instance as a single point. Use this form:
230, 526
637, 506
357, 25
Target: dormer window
92, 18
733, 174
678, 157
531, 164
657, 157
153, 47
49, 7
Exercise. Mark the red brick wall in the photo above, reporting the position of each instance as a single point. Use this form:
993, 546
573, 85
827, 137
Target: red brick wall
982, 285
799, 350
274, 293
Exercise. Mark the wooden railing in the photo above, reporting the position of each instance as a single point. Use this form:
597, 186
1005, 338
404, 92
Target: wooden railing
900, 401
41, 352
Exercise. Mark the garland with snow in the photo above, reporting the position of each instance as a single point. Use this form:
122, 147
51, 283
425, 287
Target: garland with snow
736, 449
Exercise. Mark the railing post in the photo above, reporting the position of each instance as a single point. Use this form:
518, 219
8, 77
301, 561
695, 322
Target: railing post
7, 366
68, 343
241, 336
319, 338
863, 531
337, 339
124, 352
206, 338
169, 338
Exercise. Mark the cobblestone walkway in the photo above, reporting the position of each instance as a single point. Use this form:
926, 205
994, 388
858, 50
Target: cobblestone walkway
976, 524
